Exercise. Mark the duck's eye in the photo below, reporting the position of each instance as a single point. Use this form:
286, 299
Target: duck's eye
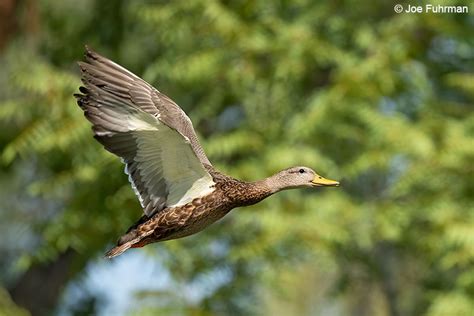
301, 171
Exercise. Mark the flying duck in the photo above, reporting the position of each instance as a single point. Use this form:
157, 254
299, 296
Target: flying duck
178, 188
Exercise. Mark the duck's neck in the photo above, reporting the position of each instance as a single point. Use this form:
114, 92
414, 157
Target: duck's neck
254, 192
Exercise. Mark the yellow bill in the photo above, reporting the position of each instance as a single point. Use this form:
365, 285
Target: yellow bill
319, 181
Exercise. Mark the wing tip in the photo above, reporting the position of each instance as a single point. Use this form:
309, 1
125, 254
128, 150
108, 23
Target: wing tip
89, 52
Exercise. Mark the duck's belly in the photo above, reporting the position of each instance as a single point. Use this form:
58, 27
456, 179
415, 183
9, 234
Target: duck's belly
190, 218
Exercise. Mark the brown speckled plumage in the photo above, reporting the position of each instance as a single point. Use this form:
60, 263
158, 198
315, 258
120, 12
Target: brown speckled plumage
193, 217
179, 190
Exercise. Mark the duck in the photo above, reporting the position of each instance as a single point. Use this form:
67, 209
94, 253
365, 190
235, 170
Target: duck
179, 190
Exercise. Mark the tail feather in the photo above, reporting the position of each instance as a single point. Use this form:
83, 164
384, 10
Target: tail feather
127, 241
133, 238
118, 250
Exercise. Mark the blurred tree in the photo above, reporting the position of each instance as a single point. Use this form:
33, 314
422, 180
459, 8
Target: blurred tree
380, 100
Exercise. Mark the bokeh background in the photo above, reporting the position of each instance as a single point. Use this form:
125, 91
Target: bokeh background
381, 101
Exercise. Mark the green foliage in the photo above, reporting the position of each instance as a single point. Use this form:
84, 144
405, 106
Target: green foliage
379, 100
7, 307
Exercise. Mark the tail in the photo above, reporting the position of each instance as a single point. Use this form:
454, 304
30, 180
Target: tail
118, 250
121, 248
131, 239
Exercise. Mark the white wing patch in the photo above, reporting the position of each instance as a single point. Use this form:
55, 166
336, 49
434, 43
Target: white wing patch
164, 153
201, 187
141, 121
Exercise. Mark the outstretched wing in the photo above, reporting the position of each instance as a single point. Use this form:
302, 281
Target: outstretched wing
153, 136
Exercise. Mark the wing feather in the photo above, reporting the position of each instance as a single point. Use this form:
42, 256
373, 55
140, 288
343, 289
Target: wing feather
164, 161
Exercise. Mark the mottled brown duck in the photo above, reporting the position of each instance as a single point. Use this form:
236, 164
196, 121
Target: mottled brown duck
178, 188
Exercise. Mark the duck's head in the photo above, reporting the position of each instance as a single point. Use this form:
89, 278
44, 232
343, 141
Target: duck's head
298, 177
